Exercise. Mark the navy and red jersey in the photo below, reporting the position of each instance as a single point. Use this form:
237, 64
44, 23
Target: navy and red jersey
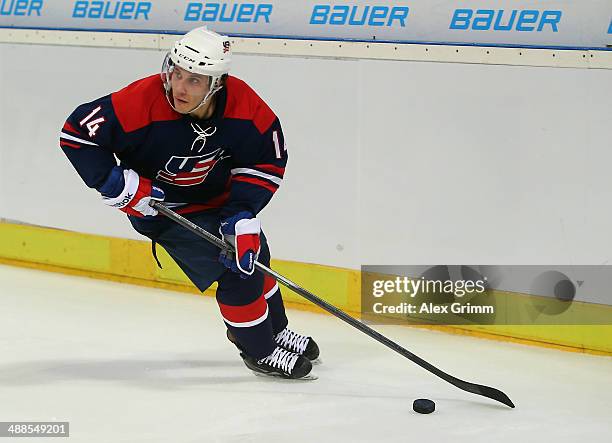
234, 161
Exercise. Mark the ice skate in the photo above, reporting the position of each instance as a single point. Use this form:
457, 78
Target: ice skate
298, 343
281, 363
291, 341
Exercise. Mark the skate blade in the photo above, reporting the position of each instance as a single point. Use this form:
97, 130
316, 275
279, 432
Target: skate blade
316, 361
309, 377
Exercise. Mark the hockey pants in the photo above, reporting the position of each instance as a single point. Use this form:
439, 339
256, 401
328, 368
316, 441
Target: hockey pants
252, 308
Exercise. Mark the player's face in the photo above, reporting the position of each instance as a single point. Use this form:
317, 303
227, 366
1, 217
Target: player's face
188, 89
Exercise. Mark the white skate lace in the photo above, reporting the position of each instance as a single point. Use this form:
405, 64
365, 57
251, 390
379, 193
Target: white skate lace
281, 359
292, 340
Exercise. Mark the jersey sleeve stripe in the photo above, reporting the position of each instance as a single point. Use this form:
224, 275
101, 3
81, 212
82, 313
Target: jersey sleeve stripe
248, 171
66, 144
256, 181
76, 139
70, 128
271, 169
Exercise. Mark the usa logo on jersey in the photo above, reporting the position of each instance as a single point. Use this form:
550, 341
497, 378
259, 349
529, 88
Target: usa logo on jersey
190, 171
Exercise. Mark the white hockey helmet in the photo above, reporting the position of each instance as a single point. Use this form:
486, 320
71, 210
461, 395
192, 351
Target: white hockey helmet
200, 51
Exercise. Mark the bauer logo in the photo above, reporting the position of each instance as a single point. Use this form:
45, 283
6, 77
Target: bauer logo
527, 20
21, 7
610, 28
228, 12
112, 10
359, 15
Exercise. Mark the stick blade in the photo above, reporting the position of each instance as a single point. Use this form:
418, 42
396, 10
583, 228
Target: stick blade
489, 392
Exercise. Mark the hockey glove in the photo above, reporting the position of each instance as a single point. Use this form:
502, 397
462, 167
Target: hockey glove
241, 231
126, 190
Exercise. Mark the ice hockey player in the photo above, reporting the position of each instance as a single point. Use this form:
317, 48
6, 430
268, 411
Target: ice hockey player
208, 146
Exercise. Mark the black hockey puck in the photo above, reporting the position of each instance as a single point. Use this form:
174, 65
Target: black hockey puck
424, 406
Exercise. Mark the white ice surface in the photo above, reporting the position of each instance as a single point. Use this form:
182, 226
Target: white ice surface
125, 363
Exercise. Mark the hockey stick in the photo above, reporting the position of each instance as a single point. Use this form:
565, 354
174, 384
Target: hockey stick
486, 391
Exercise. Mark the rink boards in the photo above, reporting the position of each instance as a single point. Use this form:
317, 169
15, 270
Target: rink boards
130, 261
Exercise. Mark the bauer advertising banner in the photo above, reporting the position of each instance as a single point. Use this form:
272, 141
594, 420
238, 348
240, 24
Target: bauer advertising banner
543, 23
